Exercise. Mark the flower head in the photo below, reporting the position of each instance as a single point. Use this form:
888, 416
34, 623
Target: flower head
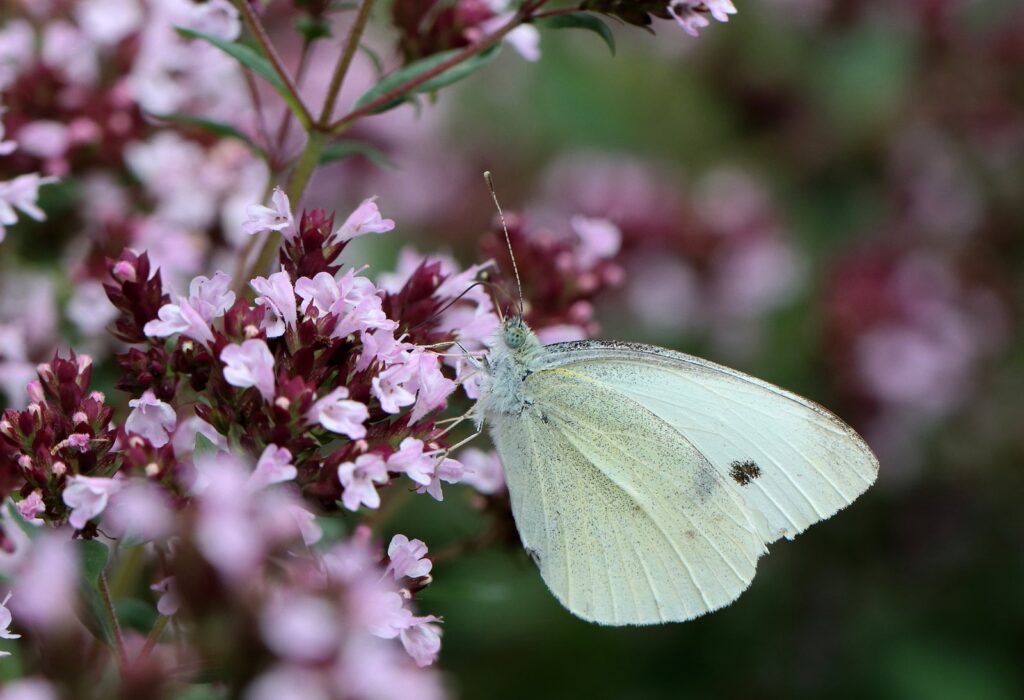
151, 418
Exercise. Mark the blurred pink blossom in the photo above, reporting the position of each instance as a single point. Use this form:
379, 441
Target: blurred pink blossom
87, 497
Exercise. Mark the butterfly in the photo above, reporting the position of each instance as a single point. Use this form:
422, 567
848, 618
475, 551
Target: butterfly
646, 483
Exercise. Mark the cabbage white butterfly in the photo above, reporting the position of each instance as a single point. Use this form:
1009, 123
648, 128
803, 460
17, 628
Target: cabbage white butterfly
646, 483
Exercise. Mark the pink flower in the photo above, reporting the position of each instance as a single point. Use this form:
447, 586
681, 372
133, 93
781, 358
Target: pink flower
250, 364
482, 470
687, 16
45, 590
5, 623
337, 413
600, 239
388, 387
29, 689
302, 628
358, 479
180, 318
169, 601
381, 346
274, 466
79, 441
277, 297
432, 387
151, 418
21, 193
410, 460
408, 558
87, 497
384, 613
422, 640
321, 291
211, 298
450, 471
365, 219
32, 506
139, 509
277, 218
690, 13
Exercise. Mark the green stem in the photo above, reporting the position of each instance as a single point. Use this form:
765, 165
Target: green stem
253, 24
413, 83
154, 636
301, 173
108, 604
348, 53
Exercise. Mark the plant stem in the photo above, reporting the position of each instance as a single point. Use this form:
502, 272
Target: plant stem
154, 635
108, 604
348, 53
301, 173
300, 72
467, 53
252, 22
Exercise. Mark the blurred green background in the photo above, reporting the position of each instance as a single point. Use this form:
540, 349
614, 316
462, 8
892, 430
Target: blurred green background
915, 590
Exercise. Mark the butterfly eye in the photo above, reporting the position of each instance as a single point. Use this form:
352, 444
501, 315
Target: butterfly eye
515, 336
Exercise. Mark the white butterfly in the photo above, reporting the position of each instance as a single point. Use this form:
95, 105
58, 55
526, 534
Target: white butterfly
645, 483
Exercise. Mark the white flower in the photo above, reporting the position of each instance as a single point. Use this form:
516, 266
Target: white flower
151, 418
250, 364
179, 318
87, 497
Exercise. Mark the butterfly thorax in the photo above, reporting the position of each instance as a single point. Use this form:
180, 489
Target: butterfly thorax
514, 353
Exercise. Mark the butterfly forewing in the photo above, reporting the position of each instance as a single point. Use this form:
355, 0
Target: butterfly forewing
791, 460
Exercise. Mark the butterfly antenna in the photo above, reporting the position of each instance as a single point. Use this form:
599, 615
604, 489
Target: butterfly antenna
508, 240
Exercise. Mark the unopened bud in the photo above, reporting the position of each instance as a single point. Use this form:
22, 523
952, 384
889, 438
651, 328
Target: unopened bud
251, 331
6, 428
59, 469
35, 391
79, 417
124, 271
84, 362
283, 402
25, 462
152, 469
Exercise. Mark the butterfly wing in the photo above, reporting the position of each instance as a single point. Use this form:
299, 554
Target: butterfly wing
791, 461
628, 522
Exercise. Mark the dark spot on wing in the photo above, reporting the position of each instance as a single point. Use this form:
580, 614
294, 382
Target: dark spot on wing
534, 555
744, 472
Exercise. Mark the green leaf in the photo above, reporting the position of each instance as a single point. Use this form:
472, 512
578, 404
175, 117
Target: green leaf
213, 127
581, 20
342, 149
93, 614
251, 59
94, 559
426, 65
136, 614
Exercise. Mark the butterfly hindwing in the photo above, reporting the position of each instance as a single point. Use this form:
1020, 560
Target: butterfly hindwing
628, 522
